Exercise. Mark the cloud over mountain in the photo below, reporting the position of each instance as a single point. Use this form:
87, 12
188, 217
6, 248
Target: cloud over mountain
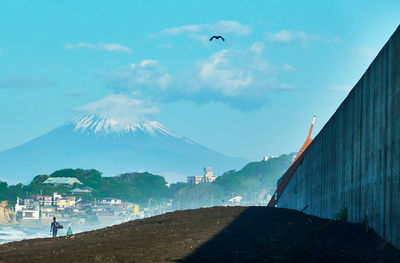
242, 78
121, 108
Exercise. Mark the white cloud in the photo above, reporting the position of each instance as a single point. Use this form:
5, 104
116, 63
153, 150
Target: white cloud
241, 78
145, 77
220, 27
115, 47
1, 50
112, 47
183, 29
288, 67
123, 108
257, 47
285, 36
292, 36
230, 27
216, 73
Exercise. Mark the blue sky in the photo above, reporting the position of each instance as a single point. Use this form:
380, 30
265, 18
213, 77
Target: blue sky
252, 95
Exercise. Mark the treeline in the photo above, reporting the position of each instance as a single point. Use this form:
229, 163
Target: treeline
132, 187
253, 182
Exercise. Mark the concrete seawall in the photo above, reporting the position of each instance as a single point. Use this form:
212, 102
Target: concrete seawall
354, 162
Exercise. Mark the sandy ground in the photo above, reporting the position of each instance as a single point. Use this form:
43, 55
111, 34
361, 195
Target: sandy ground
218, 234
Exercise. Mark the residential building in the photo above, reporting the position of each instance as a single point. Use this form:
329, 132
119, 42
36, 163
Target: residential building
62, 181
43, 199
27, 209
83, 190
235, 200
47, 212
266, 158
208, 171
67, 208
109, 201
64, 202
192, 180
56, 197
208, 175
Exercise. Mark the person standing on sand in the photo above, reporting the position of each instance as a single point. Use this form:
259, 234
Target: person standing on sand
69, 232
54, 227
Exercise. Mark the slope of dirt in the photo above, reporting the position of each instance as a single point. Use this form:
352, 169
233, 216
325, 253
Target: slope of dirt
218, 234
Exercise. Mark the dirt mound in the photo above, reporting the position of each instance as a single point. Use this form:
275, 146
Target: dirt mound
218, 234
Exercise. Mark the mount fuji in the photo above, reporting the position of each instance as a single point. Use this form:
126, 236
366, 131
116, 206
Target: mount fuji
112, 146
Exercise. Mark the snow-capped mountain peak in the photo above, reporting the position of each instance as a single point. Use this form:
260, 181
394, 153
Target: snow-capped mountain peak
91, 123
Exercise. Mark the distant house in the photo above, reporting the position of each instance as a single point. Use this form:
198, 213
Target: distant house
64, 202
83, 190
235, 200
29, 209
110, 201
192, 180
56, 197
208, 177
62, 181
47, 212
72, 209
43, 199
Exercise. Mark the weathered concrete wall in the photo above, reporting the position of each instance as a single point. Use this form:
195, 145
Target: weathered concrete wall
354, 162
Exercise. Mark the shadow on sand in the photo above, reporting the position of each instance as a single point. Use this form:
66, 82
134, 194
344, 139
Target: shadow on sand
261, 234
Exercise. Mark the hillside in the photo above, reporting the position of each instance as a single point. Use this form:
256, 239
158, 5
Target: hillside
255, 174
132, 187
255, 181
218, 234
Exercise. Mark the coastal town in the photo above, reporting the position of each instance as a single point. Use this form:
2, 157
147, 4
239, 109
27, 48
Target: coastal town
79, 208
73, 209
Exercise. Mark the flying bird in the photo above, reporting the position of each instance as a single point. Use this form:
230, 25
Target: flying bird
217, 37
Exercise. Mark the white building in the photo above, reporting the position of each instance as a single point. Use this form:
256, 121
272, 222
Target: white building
266, 157
192, 180
29, 210
43, 199
56, 197
207, 177
110, 201
83, 190
62, 181
235, 200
